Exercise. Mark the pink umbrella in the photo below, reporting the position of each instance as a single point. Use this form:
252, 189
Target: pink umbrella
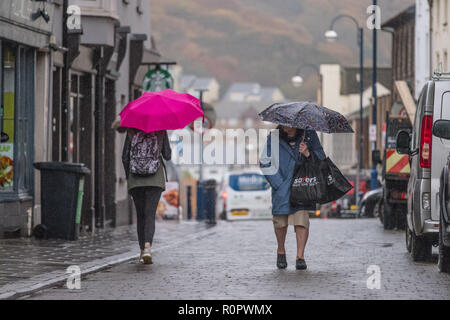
164, 110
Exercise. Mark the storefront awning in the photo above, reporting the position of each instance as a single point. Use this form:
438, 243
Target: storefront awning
27, 36
28, 22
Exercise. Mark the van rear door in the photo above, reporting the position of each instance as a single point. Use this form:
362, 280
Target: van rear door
440, 147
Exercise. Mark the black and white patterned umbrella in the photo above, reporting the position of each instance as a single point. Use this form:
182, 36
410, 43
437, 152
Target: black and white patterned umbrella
308, 116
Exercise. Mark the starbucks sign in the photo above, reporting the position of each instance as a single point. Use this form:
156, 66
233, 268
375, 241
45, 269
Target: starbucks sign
157, 80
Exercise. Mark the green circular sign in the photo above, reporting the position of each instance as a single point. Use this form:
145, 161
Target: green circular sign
157, 80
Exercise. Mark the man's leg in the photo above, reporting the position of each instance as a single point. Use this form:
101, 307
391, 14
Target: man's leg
302, 239
281, 239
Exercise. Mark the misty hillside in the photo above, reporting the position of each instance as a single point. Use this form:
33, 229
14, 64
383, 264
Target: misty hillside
264, 40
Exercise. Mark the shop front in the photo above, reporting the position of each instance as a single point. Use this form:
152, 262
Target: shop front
22, 33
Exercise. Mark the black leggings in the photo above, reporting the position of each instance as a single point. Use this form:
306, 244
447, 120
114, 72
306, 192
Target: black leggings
146, 200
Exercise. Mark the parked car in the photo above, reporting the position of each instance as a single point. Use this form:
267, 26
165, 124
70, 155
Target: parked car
369, 202
346, 206
427, 156
441, 129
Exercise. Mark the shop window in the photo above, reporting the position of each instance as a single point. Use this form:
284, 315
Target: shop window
16, 120
7, 122
75, 108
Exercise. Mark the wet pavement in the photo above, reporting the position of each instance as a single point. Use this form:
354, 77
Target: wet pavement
30, 262
237, 261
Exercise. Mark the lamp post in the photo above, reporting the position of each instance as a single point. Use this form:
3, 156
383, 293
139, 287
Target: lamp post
201, 93
200, 186
332, 36
297, 81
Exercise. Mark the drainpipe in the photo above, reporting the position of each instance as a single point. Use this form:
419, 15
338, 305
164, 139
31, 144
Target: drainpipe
65, 87
430, 2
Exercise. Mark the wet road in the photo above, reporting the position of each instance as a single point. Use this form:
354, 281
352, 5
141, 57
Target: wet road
237, 261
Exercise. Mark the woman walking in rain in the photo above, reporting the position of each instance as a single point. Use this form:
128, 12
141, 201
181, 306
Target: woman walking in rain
146, 121
146, 189
295, 146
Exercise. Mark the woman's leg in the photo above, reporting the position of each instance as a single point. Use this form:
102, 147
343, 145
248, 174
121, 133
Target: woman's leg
152, 197
302, 239
138, 195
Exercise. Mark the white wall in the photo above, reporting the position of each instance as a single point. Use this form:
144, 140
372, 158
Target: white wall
422, 54
42, 134
339, 146
331, 97
441, 34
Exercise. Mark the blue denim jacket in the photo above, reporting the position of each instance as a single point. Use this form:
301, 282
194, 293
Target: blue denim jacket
279, 170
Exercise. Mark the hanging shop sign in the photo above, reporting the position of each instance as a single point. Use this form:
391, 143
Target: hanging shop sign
157, 80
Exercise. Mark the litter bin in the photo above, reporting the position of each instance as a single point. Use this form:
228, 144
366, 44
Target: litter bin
210, 200
62, 190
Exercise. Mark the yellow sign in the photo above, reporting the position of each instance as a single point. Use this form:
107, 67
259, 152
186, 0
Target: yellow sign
397, 163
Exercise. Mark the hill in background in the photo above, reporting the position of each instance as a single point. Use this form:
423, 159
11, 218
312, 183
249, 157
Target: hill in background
264, 40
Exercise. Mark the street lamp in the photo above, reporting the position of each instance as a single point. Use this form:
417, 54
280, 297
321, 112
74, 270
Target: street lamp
297, 81
332, 36
201, 93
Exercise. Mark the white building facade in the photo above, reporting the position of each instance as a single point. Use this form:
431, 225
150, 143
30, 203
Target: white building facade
341, 93
440, 39
422, 47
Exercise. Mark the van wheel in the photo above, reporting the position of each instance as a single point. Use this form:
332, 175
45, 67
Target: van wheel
376, 211
408, 238
381, 210
444, 252
421, 248
388, 216
362, 212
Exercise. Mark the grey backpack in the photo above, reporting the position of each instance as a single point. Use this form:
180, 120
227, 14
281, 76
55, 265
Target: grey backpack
145, 153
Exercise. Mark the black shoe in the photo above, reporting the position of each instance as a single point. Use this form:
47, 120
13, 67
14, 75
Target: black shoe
301, 265
281, 261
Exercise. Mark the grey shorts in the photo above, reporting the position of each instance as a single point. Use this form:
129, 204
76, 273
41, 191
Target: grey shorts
298, 219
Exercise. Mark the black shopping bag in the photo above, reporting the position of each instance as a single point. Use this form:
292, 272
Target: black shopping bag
308, 182
336, 185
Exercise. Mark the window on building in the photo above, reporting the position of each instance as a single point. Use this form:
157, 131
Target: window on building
16, 119
76, 103
7, 119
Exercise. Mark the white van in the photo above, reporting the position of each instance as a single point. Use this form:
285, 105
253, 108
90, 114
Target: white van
427, 155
